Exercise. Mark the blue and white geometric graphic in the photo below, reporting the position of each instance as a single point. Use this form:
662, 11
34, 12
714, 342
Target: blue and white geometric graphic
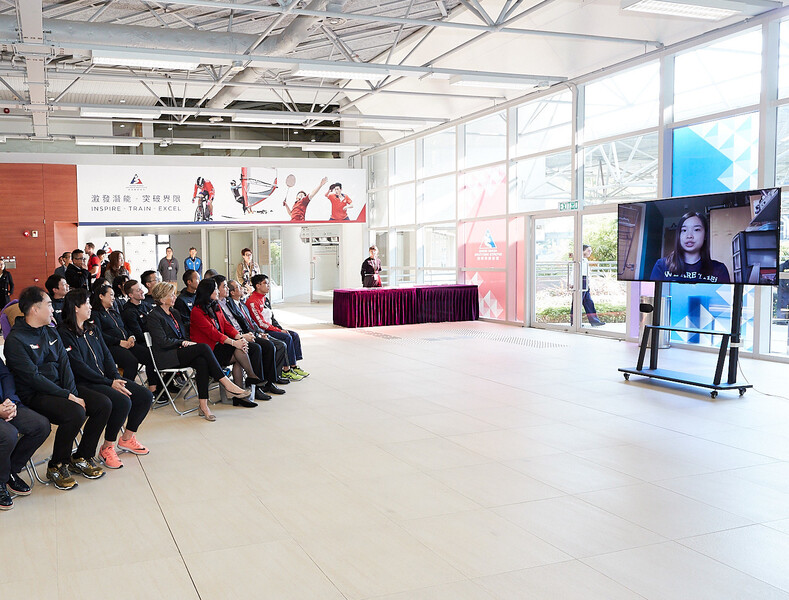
718, 156
705, 306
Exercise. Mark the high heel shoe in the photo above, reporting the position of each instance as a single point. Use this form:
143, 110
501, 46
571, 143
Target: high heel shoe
211, 417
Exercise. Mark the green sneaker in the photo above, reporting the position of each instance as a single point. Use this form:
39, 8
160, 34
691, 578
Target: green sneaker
300, 372
61, 478
291, 375
86, 467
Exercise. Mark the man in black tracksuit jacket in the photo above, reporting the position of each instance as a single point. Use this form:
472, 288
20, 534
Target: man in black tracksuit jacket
44, 382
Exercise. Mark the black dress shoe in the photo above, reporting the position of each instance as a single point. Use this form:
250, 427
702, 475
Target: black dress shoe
6, 503
261, 395
245, 402
282, 381
18, 485
273, 389
252, 381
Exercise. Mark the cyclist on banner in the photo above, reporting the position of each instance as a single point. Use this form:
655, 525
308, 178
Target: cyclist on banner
204, 192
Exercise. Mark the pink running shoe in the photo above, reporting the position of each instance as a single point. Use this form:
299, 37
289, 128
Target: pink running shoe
110, 458
133, 446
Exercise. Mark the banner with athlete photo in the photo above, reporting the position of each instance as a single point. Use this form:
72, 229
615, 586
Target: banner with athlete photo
153, 195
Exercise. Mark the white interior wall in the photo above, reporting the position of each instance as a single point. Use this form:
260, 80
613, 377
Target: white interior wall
295, 265
352, 252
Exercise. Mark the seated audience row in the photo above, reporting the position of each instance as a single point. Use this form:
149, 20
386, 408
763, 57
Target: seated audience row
74, 352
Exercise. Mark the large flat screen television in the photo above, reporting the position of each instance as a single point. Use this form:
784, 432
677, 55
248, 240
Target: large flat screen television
716, 238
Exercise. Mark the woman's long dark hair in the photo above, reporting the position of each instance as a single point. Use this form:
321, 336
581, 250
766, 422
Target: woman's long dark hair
203, 297
95, 297
71, 302
117, 286
675, 261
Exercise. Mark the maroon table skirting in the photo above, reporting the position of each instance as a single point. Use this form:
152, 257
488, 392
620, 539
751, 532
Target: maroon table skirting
373, 307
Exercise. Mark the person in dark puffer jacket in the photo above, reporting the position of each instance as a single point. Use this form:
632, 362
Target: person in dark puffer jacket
95, 370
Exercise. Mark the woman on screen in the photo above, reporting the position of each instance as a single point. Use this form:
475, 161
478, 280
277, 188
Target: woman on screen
690, 260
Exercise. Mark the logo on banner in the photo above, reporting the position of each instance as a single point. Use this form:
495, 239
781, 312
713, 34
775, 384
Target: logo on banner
136, 180
487, 242
488, 251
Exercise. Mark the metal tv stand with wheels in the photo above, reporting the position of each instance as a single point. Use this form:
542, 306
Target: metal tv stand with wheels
729, 341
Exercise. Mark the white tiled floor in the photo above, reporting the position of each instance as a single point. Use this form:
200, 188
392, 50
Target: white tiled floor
430, 463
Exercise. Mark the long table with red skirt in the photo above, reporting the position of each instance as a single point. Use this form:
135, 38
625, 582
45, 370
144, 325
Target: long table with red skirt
374, 307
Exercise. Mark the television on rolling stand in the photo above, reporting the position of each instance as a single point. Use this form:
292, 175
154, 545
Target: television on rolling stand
731, 237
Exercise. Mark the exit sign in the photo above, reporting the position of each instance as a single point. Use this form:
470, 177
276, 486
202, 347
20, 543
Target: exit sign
565, 206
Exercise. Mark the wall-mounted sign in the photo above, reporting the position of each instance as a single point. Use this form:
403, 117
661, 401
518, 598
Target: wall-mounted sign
148, 195
568, 206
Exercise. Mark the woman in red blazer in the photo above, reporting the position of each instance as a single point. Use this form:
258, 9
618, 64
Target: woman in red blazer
209, 326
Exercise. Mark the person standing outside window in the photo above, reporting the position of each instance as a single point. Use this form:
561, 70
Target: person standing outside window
168, 267
194, 262
586, 297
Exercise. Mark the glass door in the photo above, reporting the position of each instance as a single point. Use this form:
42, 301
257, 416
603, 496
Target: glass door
554, 271
603, 298
238, 240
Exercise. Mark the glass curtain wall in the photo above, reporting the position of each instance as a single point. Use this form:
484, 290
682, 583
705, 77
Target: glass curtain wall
709, 118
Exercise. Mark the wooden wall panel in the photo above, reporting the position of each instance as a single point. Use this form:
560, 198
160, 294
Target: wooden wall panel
32, 198
60, 206
22, 208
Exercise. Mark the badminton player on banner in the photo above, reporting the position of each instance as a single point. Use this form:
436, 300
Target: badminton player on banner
299, 210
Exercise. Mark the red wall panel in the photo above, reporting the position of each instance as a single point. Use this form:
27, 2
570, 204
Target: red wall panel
32, 198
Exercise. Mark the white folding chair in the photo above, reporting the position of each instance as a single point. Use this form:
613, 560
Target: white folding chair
167, 376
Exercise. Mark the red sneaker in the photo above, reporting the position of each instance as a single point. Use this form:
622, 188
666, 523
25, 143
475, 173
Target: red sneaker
133, 446
110, 458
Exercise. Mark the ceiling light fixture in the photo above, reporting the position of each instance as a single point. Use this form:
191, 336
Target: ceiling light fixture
393, 123
146, 60
119, 113
708, 10
275, 117
131, 143
328, 147
343, 71
230, 145
498, 82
